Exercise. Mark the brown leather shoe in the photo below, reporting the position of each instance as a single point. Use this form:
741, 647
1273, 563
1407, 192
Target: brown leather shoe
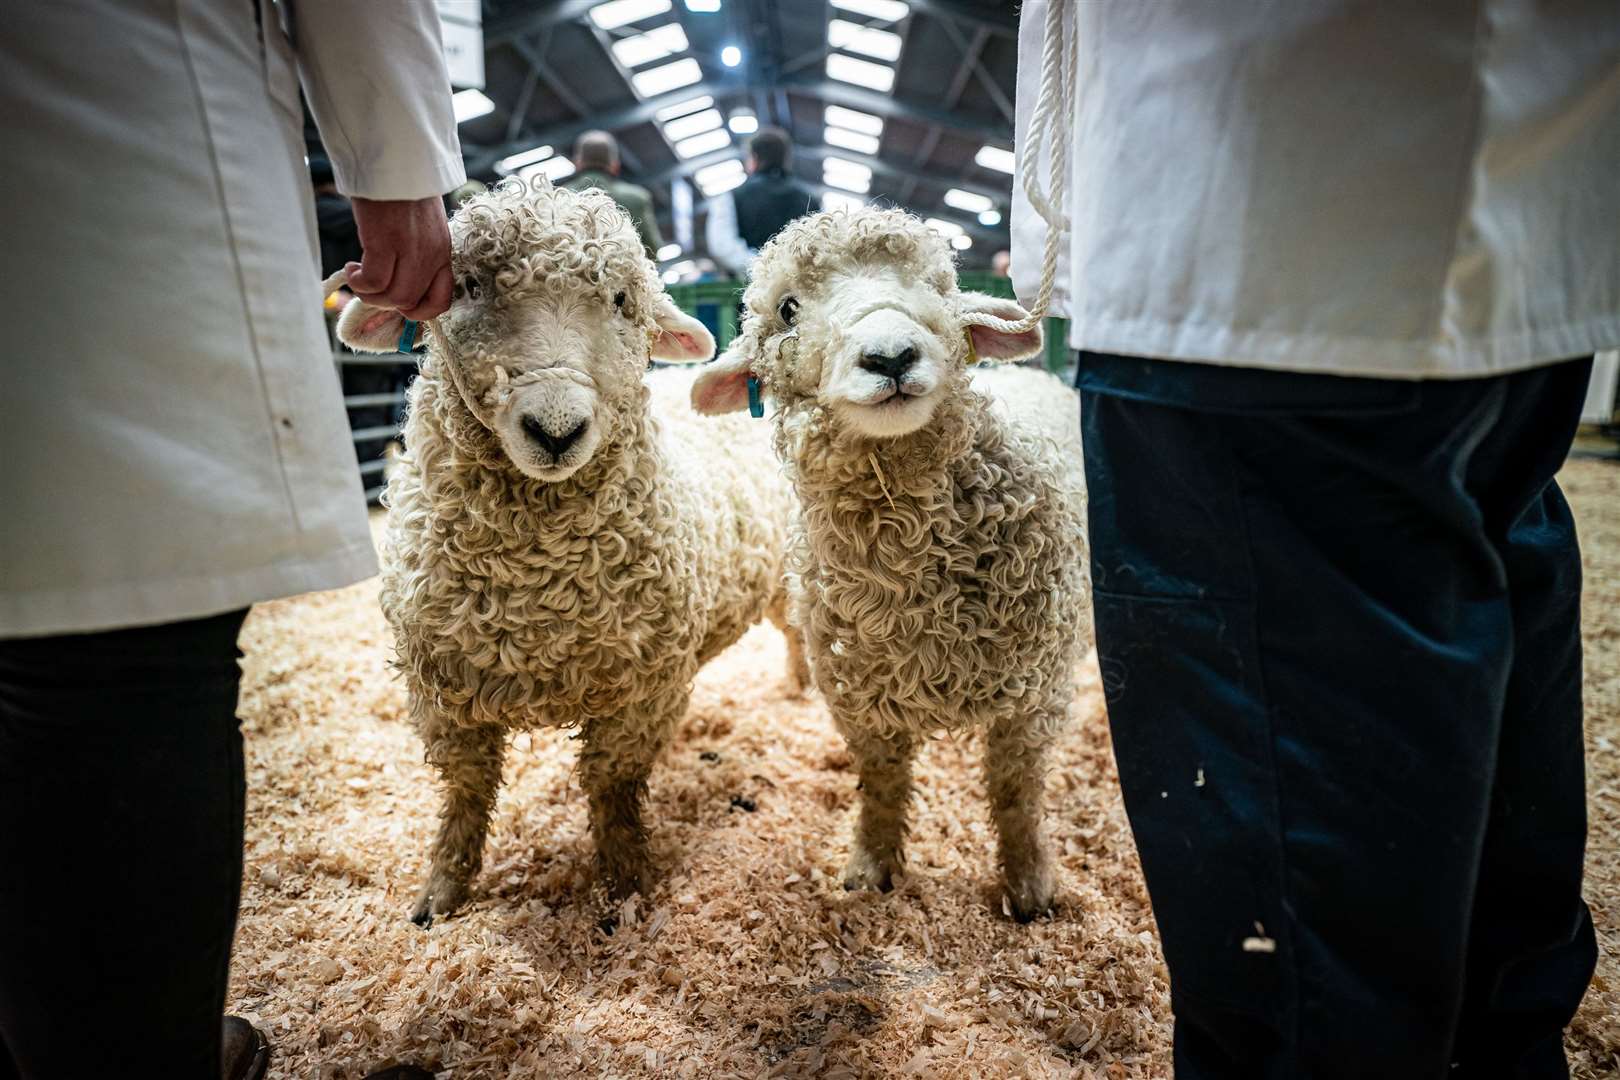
244, 1051
401, 1072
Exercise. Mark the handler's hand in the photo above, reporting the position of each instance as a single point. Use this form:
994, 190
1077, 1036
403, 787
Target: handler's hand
405, 256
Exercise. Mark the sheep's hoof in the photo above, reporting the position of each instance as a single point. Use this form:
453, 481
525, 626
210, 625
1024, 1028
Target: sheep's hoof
438, 897
1032, 895
623, 880
866, 871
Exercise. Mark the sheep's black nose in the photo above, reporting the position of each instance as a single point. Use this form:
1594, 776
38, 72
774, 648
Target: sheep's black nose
556, 445
890, 367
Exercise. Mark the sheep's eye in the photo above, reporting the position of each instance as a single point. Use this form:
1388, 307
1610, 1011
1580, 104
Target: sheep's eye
618, 300
468, 286
788, 310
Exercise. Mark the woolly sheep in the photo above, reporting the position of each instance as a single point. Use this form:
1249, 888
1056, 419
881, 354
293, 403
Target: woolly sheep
940, 563
567, 544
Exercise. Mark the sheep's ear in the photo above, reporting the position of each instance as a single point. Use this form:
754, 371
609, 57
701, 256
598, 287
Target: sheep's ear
994, 344
723, 385
368, 329
680, 337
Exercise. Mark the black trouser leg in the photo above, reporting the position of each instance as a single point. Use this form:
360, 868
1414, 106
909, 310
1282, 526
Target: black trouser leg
121, 789
1313, 622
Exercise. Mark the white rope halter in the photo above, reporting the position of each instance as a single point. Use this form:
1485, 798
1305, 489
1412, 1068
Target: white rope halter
1051, 120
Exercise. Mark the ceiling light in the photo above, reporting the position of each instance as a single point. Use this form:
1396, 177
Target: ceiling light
731, 56
679, 270
838, 200
668, 252
887, 10
714, 179
720, 169
851, 140
661, 80
994, 157
991, 218
470, 105
703, 6
655, 44
743, 122
866, 40
943, 227
860, 72
842, 173
971, 201
527, 157
962, 242
619, 12
709, 141
687, 126
681, 108
554, 169
838, 116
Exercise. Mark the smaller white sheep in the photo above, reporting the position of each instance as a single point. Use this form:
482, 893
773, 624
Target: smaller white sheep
567, 544
941, 559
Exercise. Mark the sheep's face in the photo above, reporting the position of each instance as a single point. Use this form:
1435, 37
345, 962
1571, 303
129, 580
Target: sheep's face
556, 312
858, 312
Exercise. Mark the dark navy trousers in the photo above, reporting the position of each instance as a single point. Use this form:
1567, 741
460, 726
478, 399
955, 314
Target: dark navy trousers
1338, 628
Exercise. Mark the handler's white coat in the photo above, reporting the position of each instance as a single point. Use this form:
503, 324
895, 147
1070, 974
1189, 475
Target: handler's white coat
1388, 189
172, 435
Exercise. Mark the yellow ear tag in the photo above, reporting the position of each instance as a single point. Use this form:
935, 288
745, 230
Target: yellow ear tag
972, 353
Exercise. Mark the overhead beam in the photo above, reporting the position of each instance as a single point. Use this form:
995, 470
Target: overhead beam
998, 21
879, 168
503, 31
984, 128
481, 159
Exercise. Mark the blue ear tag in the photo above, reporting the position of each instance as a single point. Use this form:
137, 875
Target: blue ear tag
407, 337
756, 407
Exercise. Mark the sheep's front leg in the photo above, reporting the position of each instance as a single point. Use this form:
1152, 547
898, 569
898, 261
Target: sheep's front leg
469, 763
875, 851
1015, 772
614, 766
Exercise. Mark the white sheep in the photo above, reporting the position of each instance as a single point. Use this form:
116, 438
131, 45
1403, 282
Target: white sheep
567, 544
941, 557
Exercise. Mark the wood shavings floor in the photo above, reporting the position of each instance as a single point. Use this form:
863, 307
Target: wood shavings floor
747, 960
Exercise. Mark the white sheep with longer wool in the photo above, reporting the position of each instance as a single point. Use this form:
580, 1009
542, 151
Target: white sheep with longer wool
940, 563
567, 544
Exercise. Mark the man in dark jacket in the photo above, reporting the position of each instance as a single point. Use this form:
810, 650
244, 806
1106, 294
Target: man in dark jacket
740, 221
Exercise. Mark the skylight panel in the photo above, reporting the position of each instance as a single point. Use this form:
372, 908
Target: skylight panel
866, 40
687, 126
681, 108
887, 10
994, 157
705, 143
851, 140
855, 120
860, 72
971, 201
617, 13
661, 80
655, 44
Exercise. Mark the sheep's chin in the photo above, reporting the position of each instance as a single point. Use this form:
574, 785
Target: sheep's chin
890, 419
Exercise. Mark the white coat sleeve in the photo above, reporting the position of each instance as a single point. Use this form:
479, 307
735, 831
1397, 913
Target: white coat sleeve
726, 247
375, 77
1027, 227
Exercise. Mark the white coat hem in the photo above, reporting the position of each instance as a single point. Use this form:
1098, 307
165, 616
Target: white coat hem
79, 610
1322, 354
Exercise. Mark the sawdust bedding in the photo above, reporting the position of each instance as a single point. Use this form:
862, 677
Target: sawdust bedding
747, 960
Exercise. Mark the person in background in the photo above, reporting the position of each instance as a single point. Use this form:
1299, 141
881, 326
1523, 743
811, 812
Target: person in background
1001, 263
596, 165
1339, 270
175, 450
741, 220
